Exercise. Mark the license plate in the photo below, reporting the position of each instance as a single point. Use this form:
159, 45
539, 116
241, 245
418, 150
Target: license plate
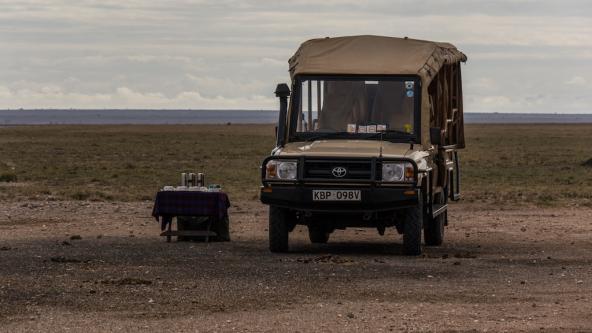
336, 195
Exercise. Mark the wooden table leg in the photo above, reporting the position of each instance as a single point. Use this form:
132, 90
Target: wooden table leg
169, 227
208, 229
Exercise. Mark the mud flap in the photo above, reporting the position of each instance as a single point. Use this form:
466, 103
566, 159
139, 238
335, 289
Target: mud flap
454, 184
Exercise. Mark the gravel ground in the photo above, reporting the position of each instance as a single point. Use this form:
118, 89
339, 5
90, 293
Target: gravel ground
94, 267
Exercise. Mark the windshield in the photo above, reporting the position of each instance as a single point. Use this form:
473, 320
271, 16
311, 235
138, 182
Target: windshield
359, 108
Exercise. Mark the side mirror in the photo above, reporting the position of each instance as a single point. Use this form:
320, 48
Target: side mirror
436, 136
282, 92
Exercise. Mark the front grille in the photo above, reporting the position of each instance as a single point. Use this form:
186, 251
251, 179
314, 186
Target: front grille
323, 169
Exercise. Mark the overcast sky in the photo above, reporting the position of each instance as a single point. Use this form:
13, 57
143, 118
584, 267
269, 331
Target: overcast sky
524, 55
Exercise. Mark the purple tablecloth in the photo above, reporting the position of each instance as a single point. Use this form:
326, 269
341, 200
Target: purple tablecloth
190, 203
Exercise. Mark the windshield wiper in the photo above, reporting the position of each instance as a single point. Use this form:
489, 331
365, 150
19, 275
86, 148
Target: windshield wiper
384, 133
399, 134
318, 136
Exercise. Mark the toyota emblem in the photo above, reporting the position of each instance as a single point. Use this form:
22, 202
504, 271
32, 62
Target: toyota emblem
339, 172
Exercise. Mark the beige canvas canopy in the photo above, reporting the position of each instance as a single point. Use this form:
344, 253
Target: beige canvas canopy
437, 64
373, 55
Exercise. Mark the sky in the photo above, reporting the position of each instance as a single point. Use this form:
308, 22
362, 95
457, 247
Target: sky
523, 55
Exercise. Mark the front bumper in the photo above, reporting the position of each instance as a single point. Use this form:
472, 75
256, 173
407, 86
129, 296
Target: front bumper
373, 199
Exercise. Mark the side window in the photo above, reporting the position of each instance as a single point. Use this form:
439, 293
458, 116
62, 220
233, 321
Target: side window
311, 101
446, 107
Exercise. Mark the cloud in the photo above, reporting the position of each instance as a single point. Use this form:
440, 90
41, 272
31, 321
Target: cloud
578, 81
494, 103
483, 83
124, 97
231, 53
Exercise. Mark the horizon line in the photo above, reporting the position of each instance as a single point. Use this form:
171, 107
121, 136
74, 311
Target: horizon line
260, 110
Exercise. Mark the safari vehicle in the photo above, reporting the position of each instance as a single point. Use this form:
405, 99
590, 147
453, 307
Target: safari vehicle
369, 138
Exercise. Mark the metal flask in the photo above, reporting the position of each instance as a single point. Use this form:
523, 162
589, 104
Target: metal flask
201, 179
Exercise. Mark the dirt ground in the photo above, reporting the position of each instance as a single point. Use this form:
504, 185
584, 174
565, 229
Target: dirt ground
93, 267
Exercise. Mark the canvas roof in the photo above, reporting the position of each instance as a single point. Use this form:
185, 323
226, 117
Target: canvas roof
373, 55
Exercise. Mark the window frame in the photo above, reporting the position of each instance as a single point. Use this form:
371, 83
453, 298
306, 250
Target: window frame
415, 138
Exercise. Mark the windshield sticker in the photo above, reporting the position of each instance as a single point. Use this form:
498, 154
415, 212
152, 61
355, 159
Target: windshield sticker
409, 93
409, 85
381, 128
351, 128
407, 128
371, 128
362, 129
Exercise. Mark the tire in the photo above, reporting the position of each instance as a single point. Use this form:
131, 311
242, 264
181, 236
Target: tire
318, 235
412, 230
278, 229
433, 232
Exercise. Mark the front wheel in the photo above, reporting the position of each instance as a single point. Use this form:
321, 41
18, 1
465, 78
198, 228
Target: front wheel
278, 229
412, 230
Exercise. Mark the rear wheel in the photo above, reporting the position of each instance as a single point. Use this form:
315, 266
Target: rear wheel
434, 227
318, 234
412, 230
278, 229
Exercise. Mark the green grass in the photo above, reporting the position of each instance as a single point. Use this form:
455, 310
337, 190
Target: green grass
540, 164
510, 164
129, 162
8, 177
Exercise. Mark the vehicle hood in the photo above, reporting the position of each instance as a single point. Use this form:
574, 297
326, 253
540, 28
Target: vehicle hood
349, 148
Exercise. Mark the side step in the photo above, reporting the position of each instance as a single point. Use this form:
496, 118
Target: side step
438, 209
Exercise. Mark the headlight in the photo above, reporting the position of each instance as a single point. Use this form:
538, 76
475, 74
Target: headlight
397, 172
281, 169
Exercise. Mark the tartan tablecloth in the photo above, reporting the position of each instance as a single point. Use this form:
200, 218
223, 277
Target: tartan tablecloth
190, 203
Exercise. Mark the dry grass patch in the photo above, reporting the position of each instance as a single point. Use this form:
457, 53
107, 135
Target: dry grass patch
506, 164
